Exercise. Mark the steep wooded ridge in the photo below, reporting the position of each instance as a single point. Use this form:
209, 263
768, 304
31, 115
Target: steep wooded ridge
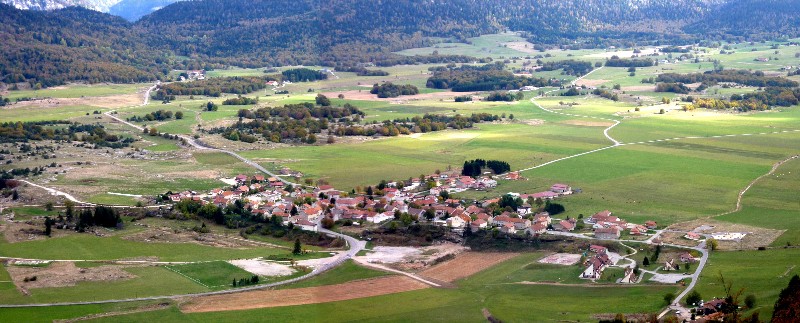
77, 44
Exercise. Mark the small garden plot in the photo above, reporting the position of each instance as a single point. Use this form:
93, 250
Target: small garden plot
212, 274
566, 259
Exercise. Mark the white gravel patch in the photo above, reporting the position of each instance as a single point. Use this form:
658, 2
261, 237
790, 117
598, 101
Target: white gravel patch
229, 181
314, 263
390, 255
262, 267
668, 278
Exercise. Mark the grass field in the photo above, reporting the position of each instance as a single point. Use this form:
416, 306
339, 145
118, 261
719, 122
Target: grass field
772, 203
77, 91
761, 273
214, 275
149, 281
32, 113
82, 246
345, 272
488, 289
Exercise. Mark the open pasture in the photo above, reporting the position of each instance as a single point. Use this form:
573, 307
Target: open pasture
761, 273
114, 247
213, 275
772, 203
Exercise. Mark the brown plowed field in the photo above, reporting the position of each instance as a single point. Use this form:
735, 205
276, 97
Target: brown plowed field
466, 264
301, 296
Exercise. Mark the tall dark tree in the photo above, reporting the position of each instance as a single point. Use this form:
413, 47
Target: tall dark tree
297, 247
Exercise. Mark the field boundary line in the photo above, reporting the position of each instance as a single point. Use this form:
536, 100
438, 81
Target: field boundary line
184, 275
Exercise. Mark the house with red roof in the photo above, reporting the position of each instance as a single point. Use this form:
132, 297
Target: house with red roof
607, 233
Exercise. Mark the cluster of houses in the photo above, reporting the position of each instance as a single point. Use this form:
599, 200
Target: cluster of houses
269, 197
607, 226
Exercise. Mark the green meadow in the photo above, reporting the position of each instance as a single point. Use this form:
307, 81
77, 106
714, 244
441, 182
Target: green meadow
114, 247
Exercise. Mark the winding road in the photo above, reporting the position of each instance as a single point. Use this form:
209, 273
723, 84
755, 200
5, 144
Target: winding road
354, 244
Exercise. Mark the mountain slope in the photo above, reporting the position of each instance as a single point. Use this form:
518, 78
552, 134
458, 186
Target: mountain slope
98, 5
85, 45
132, 10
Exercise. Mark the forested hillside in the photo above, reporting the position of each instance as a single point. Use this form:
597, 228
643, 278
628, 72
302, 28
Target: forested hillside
78, 44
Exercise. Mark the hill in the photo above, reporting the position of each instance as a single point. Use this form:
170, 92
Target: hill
261, 33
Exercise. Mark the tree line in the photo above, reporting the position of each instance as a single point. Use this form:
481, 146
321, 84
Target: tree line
390, 90
213, 86
475, 167
61, 130
570, 67
489, 77
743, 77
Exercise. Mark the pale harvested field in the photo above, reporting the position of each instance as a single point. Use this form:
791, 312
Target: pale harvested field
756, 237
639, 88
301, 296
466, 264
589, 123
522, 46
63, 274
366, 96
590, 83
113, 101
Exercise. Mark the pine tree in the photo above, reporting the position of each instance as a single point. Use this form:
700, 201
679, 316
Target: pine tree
297, 248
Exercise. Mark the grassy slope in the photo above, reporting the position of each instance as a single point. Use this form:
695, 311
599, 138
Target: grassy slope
760, 273
772, 203
345, 272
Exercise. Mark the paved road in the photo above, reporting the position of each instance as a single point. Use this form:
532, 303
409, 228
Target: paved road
676, 304
196, 143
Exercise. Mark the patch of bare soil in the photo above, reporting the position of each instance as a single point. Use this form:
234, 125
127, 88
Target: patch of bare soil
677, 238
301, 296
366, 96
430, 256
33, 229
639, 88
466, 264
166, 235
522, 46
63, 274
589, 123
756, 237
590, 83
113, 101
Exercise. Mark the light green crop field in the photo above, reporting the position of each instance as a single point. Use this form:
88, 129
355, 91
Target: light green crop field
83, 246
34, 113
215, 275
78, 90
773, 203
761, 273
149, 281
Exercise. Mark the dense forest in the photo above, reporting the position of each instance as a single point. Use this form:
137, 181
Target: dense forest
61, 130
489, 77
76, 44
391, 90
743, 77
475, 167
213, 87
301, 123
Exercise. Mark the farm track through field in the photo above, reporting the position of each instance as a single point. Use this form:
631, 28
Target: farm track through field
617, 143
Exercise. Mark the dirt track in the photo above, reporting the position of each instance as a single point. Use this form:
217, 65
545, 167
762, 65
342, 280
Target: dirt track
301, 296
466, 264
